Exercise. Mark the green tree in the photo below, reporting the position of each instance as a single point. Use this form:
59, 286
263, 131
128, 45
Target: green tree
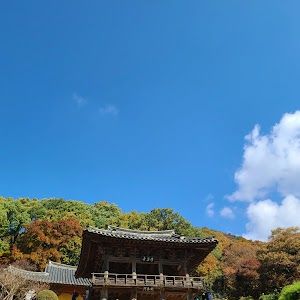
104, 213
131, 220
166, 219
4, 227
14, 215
60, 209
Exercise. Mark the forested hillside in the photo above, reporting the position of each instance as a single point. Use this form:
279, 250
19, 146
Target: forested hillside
35, 231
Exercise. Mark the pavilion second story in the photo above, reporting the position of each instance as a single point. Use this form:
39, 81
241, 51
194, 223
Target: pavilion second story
123, 257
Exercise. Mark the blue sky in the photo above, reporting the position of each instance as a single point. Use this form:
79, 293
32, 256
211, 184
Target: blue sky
147, 104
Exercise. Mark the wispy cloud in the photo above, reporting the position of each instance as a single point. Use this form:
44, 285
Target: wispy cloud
210, 209
79, 100
227, 213
108, 110
209, 198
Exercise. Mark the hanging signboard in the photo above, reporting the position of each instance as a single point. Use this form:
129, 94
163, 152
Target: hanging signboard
148, 259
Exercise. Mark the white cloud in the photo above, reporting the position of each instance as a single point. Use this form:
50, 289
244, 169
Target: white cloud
271, 162
271, 166
108, 110
79, 100
210, 209
267, 215
227, 212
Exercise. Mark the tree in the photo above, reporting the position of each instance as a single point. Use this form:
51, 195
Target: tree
104, 213
60, 209
240, 269
210, 268
15, 287
4, 227
43, 240
166, 219
280, 258
13, 217
131, 220
14, 214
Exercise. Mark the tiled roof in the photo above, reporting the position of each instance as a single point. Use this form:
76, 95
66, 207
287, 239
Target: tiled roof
165, 236
54, 273
96, 242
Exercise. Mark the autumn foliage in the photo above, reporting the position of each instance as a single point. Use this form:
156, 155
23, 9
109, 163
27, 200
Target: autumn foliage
36, 231
44, 240
280, 258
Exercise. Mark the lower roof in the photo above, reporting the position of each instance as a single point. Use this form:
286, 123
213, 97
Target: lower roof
54, 273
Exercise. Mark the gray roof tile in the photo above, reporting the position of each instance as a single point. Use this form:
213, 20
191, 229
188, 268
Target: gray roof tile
54, 273
165, 235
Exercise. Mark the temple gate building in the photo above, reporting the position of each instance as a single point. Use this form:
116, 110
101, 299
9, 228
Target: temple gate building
126, 264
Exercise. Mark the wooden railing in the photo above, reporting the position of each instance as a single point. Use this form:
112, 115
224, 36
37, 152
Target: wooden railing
106, 279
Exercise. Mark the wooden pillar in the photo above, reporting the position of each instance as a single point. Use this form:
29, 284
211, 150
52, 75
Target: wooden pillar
186, 263
105, 277
189, 295
133, 264
133, 268
104, 294
106, 263
133, 295
88, 294
162, 294
160, 268
185, 268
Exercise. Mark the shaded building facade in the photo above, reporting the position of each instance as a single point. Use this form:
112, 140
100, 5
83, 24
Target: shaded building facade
125, 264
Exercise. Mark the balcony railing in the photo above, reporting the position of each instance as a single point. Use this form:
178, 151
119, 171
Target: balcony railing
112, 279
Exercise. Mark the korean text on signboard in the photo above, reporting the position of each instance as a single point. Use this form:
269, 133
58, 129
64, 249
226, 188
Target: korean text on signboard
148, 259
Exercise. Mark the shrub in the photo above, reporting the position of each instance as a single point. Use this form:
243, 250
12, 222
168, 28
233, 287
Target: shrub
290, 292
46, 295
273, 296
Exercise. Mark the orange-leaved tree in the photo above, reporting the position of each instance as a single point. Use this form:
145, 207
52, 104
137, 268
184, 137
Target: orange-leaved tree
44, 240
280, 258
240, 269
